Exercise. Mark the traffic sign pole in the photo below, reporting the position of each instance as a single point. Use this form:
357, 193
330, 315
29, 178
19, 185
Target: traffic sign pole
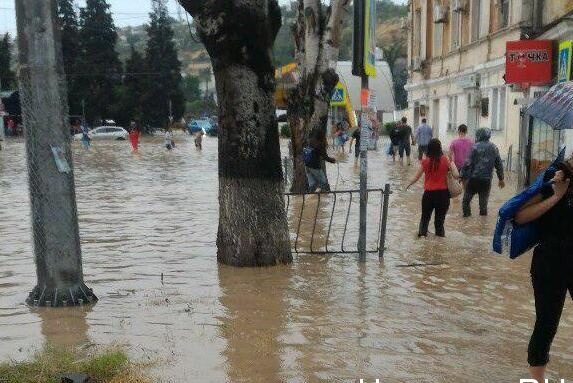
364, 138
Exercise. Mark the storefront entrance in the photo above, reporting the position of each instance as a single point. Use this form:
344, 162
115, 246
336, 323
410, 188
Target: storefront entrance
543, 146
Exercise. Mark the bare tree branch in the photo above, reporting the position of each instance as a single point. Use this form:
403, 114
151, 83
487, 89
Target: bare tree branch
339, 11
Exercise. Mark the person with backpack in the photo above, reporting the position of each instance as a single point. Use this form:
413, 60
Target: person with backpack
435, 168
313, 154
407, 139
552, 263
395, 138
477, 172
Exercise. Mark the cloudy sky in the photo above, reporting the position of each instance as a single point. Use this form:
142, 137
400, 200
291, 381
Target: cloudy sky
126, 12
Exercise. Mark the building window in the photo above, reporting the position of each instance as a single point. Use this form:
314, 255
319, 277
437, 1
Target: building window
452, 113
498, 105
503, 13
455, 30
476, 19
438, 38
418, 34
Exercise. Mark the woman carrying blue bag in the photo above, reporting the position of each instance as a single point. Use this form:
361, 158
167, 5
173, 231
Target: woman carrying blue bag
552, 264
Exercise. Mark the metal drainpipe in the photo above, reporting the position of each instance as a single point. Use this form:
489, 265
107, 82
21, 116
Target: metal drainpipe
538, 15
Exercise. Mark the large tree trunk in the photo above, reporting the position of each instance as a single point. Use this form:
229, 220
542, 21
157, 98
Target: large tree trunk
317, 37
239, 36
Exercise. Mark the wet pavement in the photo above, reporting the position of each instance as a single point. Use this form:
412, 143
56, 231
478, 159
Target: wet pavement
434, 310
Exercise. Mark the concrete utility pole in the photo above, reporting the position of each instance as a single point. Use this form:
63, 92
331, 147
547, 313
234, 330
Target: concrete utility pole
43, 93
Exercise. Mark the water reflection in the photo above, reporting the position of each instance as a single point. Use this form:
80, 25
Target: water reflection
255, 317
65, 327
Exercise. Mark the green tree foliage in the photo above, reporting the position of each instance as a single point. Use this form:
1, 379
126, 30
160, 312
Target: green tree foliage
165, 84
191, 88
388, 10
7, 76
99, 67
70, 32
133, 91
283, 50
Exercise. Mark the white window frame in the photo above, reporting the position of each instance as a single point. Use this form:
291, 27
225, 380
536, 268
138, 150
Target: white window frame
504, 4
438, 38
498, 105
452, 113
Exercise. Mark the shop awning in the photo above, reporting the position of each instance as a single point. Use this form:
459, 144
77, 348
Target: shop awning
555, 107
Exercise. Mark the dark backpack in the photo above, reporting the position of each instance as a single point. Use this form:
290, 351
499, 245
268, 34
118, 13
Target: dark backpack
308, 155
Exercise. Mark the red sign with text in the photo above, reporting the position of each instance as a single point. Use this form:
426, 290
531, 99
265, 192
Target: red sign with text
529, 62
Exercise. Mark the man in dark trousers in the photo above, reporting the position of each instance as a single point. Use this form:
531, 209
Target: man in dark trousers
313, 154
406, 140
477, 172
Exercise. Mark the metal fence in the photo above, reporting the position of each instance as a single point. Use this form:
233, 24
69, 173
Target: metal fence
327, 222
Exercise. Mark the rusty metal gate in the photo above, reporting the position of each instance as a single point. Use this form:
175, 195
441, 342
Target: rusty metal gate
323, 223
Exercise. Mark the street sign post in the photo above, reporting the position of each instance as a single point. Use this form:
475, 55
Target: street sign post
364, 65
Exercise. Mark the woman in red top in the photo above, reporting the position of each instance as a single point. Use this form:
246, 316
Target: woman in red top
435, 168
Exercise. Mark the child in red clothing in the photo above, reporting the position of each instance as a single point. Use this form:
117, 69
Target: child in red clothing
134, 137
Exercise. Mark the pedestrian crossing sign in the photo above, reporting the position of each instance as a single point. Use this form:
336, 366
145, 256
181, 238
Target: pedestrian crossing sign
338, 96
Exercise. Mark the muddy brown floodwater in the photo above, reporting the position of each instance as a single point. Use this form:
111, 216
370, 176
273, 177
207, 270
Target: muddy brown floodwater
433, 311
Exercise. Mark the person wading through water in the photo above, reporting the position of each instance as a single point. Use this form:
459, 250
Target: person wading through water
424, 134
407, 139
477, 172
313, 154
435, 168
552, 263
134, 137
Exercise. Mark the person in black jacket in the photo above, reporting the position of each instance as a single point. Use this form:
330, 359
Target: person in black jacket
314, 153
552, 263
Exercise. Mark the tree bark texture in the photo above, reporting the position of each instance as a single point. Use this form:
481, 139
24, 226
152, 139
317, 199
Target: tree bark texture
52, 192
317, 41
239, 36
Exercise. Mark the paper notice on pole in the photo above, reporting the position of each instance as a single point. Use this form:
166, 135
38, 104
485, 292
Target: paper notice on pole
61, 161
365, 134
372, 100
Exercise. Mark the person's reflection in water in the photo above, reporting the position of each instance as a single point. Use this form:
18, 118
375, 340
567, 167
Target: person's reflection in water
254, 321
306, 238
65, 327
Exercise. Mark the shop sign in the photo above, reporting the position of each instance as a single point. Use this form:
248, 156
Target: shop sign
529, 62
564, 72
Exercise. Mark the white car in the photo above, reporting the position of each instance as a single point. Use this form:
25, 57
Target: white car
105, 133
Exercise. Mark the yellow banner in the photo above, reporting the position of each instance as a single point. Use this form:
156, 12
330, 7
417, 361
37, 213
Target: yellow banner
565, 51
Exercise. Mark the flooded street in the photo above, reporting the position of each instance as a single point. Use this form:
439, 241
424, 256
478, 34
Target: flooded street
434, 310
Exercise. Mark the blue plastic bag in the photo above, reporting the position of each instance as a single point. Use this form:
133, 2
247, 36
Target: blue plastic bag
515, 239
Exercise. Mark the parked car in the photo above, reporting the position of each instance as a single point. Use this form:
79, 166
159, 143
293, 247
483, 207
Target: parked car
203, 125
214, 120
105, 133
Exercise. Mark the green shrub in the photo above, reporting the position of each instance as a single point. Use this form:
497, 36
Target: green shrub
285, 131
388, 128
